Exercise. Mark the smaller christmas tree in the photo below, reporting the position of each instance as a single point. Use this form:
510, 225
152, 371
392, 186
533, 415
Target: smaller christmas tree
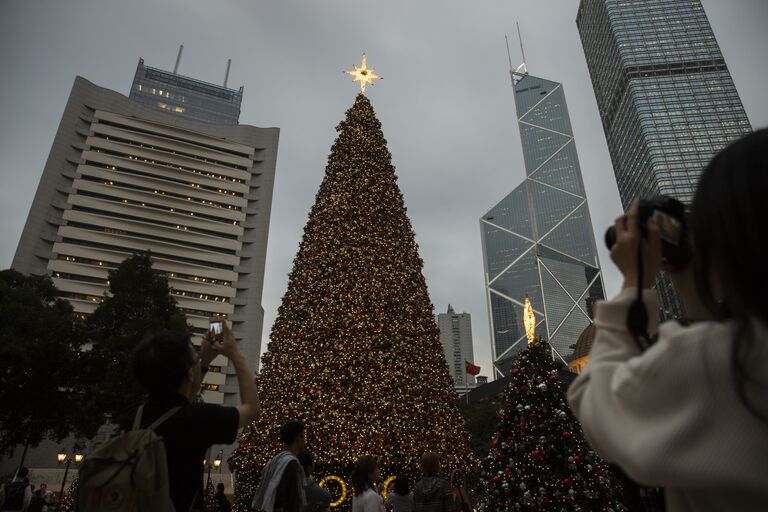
539, 459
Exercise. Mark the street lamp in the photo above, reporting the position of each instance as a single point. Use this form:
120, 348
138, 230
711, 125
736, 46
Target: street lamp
63, 458
216, 463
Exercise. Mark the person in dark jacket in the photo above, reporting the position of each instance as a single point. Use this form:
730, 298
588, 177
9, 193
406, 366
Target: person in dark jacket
318, 499
432, 493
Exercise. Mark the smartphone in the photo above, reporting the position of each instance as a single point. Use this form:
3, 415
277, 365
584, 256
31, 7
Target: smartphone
216, 327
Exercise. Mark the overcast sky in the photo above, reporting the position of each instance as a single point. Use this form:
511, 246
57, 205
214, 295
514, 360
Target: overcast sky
445, 103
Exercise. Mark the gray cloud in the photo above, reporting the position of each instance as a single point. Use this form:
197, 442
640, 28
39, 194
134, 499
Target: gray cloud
445, 102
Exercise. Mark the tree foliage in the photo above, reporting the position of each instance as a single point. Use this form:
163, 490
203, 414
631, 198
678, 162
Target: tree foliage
40, 340
139, 303
539, 459
354, 352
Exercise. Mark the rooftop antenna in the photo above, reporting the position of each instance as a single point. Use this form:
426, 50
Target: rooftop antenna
178, 59
521, 70
226, 75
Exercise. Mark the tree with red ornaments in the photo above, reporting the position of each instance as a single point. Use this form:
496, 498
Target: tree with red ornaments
539, 459
354, 352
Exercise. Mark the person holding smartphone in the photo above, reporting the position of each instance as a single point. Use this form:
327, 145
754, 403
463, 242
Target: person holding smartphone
171, 371
690, 413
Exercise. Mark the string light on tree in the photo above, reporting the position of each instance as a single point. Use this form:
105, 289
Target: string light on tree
363, 74
354, 352
539, 459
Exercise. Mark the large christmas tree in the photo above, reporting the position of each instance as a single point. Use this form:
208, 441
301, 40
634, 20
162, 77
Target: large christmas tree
539, 459
354, 352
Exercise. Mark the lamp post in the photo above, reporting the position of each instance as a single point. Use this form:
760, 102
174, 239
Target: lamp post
63, 458
216, 463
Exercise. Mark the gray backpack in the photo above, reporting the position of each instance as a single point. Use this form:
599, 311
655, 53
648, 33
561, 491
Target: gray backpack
128, 473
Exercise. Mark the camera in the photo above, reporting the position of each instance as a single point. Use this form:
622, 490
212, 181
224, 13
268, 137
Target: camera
669, 214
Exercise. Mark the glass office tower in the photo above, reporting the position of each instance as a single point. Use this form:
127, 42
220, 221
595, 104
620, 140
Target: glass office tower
538, 241
186, 97
666, 99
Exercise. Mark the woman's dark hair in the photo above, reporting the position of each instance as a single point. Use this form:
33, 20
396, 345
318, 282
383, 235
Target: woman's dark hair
430, 464
360, 479
291, 431
161, 360
401, 486
728, 223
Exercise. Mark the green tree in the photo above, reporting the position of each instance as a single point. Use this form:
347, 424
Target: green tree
354, 352
138, 303
40, 340
539, 459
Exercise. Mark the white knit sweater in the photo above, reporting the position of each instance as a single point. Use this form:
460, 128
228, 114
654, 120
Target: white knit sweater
670, 417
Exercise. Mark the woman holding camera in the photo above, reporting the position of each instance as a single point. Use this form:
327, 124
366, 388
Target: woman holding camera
690, 414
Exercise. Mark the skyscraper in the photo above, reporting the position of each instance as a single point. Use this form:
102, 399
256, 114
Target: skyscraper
456, 339
538, 241
666, 99
185, 97
123, 178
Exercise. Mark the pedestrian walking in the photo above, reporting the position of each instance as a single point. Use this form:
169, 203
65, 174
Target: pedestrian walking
17, 493
432, 493
318, 499
222, 502
365, 476
282, 484
459, 491
690, 413
401, 497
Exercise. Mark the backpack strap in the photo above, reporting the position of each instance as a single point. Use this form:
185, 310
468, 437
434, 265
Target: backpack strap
164, 417
157, 422
137, 419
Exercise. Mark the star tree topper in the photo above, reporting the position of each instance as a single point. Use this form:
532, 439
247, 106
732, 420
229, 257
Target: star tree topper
363, 74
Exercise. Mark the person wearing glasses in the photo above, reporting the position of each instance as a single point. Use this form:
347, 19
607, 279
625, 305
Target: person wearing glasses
171, 371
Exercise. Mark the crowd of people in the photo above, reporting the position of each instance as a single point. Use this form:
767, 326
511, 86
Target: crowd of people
688, 414
19, 495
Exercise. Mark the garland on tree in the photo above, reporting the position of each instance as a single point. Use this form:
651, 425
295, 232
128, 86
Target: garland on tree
539, 459
354, 352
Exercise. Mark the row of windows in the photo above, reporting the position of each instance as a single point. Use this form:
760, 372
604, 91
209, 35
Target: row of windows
196, 143
131, 186
122, 249
181, 227
213, 248
110, 266
128, 142
160, 92
181, 181
165, 208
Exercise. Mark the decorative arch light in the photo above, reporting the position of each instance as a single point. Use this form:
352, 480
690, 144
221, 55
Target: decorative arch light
341, 484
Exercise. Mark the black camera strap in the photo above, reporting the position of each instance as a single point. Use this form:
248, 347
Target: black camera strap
637, 316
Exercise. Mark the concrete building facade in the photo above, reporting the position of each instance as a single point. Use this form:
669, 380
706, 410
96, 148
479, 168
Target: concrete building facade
456, 339
122, 178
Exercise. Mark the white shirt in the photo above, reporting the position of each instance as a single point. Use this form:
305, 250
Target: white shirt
671, 416
368, 501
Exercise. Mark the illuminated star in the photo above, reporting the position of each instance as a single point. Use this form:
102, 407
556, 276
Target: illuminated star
363, 74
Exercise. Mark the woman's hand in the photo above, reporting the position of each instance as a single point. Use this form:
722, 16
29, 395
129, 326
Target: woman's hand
624, 251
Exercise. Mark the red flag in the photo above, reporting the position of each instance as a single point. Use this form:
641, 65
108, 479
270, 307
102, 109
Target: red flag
471, 368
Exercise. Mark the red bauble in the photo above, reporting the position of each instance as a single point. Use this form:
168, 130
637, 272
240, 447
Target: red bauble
495, 442
566, 434
577, 458
538, 455
507, 471
496, 479
567, 481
